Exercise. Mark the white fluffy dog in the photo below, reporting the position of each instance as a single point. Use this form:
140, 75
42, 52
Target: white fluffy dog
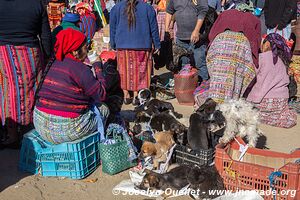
241, 120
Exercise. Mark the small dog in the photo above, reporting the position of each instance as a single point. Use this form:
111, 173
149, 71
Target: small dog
160, 122
242, 119
198, 135
154, 106
175, 179
205, 178
158, 151
202, 178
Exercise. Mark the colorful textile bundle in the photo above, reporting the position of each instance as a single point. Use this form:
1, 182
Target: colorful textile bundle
186, 70
55, 11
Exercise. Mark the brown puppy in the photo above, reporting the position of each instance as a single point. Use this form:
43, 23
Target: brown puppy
158, 151
164, 138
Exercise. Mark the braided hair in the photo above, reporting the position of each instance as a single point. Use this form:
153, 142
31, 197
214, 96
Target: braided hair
130, 12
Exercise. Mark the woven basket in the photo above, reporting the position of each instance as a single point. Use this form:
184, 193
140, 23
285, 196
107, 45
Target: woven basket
114, 157
185, 85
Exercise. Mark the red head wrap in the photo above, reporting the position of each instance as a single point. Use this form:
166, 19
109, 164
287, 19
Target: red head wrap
67, 41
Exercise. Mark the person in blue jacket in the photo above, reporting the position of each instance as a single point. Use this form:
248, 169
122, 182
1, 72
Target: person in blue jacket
134, 34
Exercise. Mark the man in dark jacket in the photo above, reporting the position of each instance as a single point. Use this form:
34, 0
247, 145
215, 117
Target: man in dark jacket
278, 16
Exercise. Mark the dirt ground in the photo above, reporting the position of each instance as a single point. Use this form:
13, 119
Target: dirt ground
16, 185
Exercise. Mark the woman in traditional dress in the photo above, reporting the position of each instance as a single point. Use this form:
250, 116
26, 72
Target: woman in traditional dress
133, 31
69, 97
87, 20
232, 55
270, 93
22, 23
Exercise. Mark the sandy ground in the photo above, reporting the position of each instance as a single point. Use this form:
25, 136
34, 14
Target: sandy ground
15, 185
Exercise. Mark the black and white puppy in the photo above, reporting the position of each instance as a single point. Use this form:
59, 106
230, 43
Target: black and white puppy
216, 126
163, 121
154, 106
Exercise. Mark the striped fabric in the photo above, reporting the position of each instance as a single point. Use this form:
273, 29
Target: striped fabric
56, 129
18, 66
230, 66
276, 112
55, 13
161, 19
135, 68
88, 26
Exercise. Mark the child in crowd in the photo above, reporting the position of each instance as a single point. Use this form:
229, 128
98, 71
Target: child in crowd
270, 93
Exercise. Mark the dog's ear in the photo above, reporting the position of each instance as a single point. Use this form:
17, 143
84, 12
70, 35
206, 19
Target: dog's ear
208, 104
154, 181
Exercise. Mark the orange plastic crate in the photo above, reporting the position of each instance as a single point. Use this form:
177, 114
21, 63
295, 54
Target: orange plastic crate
249, 176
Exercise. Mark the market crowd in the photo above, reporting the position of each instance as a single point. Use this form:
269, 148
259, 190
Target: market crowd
240, 48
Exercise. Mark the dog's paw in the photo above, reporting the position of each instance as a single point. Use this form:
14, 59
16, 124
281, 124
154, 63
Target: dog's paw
178, 115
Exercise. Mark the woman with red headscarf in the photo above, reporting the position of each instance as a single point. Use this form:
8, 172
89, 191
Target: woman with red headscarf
68, 91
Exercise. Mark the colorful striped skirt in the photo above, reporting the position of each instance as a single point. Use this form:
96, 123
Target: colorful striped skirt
20, 70
230, 66
56, 129
276, 112
135, 67
161, 21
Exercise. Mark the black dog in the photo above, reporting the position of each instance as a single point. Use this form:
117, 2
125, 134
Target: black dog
205, 178
198, 134
202, 178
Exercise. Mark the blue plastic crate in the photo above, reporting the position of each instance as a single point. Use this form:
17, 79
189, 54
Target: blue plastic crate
32, 144
74, 160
